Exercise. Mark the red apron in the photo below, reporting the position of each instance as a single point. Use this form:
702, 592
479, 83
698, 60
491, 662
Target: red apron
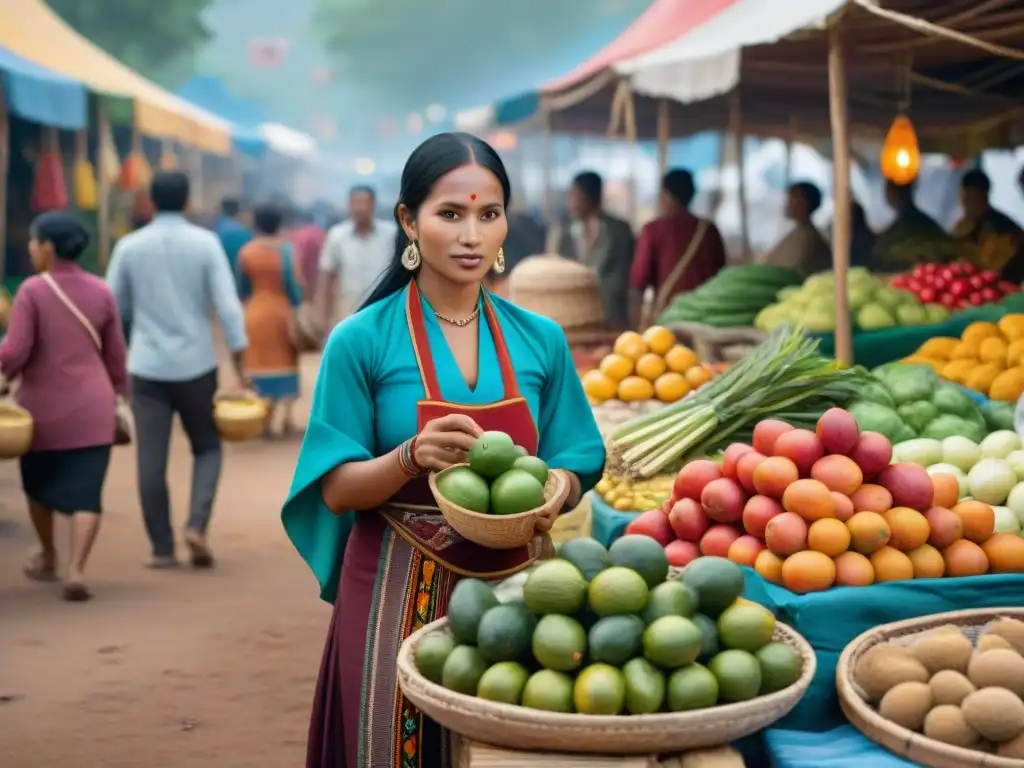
412, 511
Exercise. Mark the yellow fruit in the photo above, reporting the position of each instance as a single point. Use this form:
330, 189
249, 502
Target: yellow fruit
659, 339
958, 370
670, 387
993, 350
982, 378
598, 386
967, 350
976, 333
681, 359
650, 366
633, 389
1012, 327
631, 344
1015, 353
939, 348
616, 367
1008, 385
698, 376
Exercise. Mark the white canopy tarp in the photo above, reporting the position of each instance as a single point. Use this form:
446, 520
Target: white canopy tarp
289, 142
704, 61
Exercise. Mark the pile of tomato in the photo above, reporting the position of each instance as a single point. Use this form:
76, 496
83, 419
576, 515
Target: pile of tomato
954, 286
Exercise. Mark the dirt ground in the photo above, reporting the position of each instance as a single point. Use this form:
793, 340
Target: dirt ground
165, 669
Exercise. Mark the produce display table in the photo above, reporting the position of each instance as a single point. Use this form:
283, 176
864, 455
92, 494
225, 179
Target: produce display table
874, 348
842, 747
606, 523
471, 754
830, 620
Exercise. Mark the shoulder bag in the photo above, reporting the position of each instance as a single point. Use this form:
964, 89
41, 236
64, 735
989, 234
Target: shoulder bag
125, 422
664, 294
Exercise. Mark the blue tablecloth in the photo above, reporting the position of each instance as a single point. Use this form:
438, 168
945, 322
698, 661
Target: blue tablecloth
830, 620
606, 523
842, 747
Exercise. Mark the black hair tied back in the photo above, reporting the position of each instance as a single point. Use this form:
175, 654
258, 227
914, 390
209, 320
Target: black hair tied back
59, 228
436, 157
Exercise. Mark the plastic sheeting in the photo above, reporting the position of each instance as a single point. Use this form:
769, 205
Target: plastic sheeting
38, 94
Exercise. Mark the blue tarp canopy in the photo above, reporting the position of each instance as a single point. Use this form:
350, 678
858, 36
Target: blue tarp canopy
38, 94
245, 117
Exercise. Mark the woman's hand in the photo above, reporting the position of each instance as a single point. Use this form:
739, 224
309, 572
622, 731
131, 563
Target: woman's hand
546, 520
445, 441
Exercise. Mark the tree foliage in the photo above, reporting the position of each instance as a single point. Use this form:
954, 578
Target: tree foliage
157, 39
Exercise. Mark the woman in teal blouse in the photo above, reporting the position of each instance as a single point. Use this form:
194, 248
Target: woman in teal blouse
405, 386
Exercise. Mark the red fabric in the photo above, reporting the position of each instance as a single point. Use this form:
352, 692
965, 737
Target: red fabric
664, 22
308, 241
663, 242
50, 190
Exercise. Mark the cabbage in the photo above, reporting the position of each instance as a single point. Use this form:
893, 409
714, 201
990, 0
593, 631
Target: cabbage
1016, 459
949, 469
873, 317
991, 480
1006, 521
999, 445
1015, 501
961, 452
918, 451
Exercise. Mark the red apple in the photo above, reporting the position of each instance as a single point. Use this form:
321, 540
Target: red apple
693, 477
688, 519
681, 553
654, 524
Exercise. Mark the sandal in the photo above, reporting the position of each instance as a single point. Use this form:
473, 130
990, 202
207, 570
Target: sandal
199, 551
36, 568
76, 592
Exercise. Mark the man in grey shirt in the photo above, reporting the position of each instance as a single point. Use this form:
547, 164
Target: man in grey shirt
169, 278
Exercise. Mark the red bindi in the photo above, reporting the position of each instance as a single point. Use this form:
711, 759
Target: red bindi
472, 197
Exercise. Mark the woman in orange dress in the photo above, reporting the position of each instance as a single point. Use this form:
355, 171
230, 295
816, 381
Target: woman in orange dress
270, 293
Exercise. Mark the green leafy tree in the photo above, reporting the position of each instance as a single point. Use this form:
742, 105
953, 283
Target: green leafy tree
158, 40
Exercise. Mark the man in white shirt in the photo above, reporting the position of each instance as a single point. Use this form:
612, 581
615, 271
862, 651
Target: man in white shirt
353, 257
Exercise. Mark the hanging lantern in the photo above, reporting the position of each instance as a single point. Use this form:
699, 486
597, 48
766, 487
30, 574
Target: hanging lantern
901, 157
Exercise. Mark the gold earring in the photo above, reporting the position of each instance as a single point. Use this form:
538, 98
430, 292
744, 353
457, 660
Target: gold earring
411, 256
499, 263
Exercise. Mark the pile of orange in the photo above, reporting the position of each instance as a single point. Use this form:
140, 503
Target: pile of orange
648, 366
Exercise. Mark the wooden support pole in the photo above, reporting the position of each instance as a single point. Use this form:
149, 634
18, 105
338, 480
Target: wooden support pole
5, 153
736, 123
103, 136
841, 222
547, 172
664, 131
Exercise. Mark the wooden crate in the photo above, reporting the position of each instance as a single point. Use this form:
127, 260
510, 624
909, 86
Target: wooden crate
471, 754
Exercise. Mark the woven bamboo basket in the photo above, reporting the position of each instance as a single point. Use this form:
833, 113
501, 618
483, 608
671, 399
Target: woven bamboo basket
16, 427
239, 417
520, 728
563, 290
916, 747
496, 531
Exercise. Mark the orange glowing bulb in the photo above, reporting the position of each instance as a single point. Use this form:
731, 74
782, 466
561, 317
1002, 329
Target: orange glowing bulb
901, 158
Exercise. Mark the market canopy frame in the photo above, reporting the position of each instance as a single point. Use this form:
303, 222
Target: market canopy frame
32, 30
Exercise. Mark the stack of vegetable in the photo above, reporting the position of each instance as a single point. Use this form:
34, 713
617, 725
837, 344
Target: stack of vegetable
874, 306
731, 298
813, 509
652, 366
954, 286
991, 472
906, 401
784, 377
988, 357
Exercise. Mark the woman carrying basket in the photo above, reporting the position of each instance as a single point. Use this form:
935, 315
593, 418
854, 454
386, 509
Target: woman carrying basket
66, 346
405, 386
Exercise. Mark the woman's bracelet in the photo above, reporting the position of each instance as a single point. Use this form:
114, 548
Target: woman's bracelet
407, 458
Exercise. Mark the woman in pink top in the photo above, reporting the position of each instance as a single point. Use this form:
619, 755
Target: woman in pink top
69, 385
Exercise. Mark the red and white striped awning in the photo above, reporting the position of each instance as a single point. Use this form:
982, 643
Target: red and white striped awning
704, 60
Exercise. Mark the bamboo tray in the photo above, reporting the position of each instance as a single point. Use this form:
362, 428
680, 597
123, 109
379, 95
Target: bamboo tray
909, 744
520, 728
